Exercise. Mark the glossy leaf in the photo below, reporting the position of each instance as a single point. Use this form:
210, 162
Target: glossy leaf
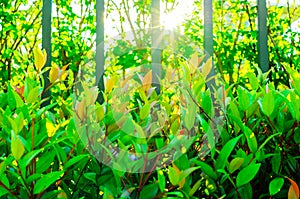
275, 185
40, 58
46, 180
190, 116
207, 169
293, 190
161, 180
149, 191
251, 139
75, 160
17, 147
225, 152
145, 110
173, 175
53, 74
247, 174
33, 95
235, 164
268, 104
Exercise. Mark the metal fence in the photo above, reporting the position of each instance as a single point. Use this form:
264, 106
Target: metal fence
156, 54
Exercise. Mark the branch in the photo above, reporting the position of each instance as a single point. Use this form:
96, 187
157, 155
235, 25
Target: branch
130, 22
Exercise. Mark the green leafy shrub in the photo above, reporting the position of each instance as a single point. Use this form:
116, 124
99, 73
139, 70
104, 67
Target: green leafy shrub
256, 155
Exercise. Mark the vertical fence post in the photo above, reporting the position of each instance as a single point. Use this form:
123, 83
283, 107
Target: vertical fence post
46, 43
100, 48
155, 42
263, 54
208, 37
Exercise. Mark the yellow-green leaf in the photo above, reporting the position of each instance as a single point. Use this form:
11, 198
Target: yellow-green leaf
145, 110
17, 147
40, 58
53, 74
110, 84
268, 104
207, 68
99, 112
32, 95
235, 164
147, 81
51, 128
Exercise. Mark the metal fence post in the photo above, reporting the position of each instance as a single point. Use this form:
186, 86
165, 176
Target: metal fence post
46, 43
100, 48
155, 42
263, 54
208, 37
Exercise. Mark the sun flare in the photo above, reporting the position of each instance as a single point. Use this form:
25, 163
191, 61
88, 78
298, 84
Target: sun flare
171, 20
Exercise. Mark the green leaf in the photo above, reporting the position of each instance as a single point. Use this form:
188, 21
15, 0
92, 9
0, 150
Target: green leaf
3, 191
139, 130
268, 104
253, 81
161, 180
195, 187
246, 191
5, 181
247, 174
90, 176
275, 161
46, 180
173, 176
32, 95
297, 135
14, 100
190, 116
251, 139
208, 131
128, 126
275, 185
29, 156
207, 169
187, 172
11, 97
234, 109
19, 120
45, 160
225, 152
207, 102
145, 110
159, 143
235, 164
149, 191
243, 98
17, 147
74, 160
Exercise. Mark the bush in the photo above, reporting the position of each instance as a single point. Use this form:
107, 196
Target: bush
251, 140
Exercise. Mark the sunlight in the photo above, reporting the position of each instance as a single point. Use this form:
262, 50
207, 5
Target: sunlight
171, 20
